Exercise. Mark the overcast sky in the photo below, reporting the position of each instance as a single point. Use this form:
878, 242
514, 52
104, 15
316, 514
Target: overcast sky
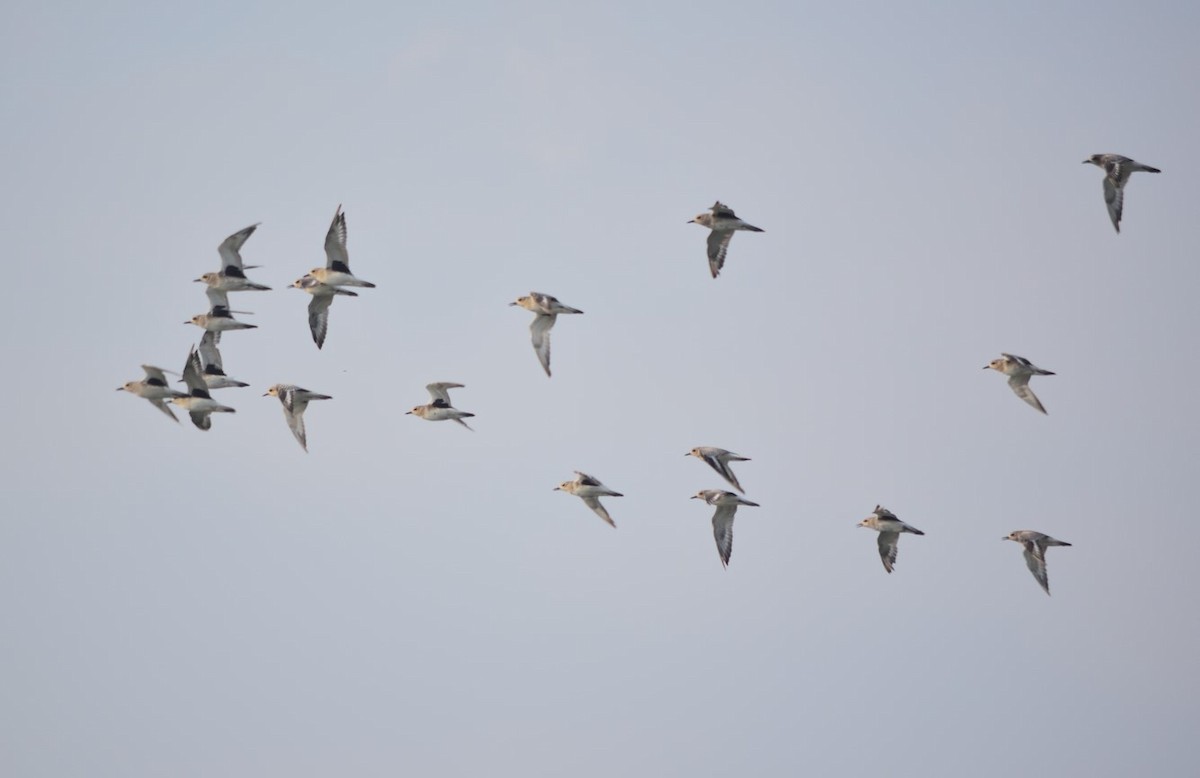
411, 598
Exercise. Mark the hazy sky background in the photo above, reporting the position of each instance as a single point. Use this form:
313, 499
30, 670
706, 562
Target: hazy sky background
413, 599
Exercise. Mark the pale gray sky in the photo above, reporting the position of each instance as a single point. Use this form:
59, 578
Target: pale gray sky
411, 598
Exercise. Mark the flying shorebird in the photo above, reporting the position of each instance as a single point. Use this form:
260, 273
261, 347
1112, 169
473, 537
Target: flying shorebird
546, 308
1117, 170
1035, 544
219, 318
723, 222
440, 409
232, 276
337, 260
153, 388
210, 362
590, 490
889, 528
295, 400
727, 504
1019, 370
198, 402
718, 459
318, 307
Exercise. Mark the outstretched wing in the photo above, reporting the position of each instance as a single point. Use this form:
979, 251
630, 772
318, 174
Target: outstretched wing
889, 546
1114, 198
1020, 387
594, 504
1035, 559
336, 256
722, 522
718, 245
231, 259
438, 391
540, 330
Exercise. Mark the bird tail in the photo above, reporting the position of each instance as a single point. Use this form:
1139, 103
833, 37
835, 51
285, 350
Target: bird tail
1148, 169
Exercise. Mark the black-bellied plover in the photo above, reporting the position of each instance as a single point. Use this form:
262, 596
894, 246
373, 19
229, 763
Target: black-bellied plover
232, 275
889, 528
198, 402
1117, 170
210, 363
294, 400
1019, 370
590, 490
723, 222
219, 318
718, 459
1035, 544
547, 309
153, 388
440, 409
726, 504
318, 307
337, 260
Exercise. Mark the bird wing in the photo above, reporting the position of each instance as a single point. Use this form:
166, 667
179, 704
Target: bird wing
722, 522
318, 316
889, 546
336, 257
217, 298
162, 406
210, 356
594, 503
587, 480
229, 248
1020, 386
1035, 559
155, 374
192, 376
722, 210
540, 330
201, 419
293, 411
721, 465
718, 245
1114, 197
438, 391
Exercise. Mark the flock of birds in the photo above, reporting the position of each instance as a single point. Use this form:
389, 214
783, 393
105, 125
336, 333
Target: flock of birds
203, 372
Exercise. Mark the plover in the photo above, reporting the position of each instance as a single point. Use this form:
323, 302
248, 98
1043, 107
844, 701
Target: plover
723, 222
219, 318
210, 363
153, 388
440, 409
590, 490
232, 276
318, 307
1035, 544
337, 261
1019, 370
295, 400
1117, 170
718, 459
546, 308
726, 504
889, 528
198, 402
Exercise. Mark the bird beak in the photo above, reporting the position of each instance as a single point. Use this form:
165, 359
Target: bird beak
1086, 161
120, 388
1006, 537
197, 279
556, 489
985, 367
694, 497
511, 305
266, 394
408, 413
187, 322
691, 221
